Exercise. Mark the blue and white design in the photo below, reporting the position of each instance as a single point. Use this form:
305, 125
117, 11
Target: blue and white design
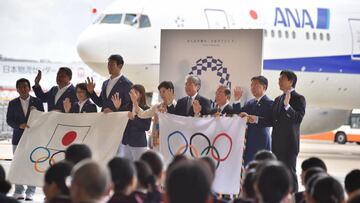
209, 63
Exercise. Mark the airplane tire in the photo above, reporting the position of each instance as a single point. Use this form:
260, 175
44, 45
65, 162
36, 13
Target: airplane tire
340, 138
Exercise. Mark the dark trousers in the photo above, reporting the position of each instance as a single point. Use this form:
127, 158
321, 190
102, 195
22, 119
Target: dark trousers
289, 159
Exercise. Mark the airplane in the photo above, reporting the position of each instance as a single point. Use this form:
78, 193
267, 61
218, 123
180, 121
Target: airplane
319, 40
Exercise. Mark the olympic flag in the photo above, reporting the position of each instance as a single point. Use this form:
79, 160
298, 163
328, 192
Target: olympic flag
45, 142
219, 138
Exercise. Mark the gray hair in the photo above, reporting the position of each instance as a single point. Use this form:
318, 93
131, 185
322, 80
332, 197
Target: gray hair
194, 79
91, 177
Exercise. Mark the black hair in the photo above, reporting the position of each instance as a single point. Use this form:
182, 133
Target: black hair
144, 174
176, 159
327, 190
248, 184
264, 155
211, 164
261, 79
188, 181
155, 162
57, 174
166, 85
309, 185
82, 86
352, 181
67, 71
77, 152
313, 162
270, 174
5, 186
311, 172
252, 165
122, 173
290, 75
22, 80
117, 58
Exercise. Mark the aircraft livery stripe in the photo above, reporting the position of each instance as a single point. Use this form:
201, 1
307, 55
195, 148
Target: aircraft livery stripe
327, 64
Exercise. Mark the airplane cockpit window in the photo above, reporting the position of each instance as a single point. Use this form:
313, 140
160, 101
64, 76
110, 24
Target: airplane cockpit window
133, 20
144, 21
112, 19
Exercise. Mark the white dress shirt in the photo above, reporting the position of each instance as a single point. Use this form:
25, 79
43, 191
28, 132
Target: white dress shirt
25, 104
111, 84
81, 104
61, 92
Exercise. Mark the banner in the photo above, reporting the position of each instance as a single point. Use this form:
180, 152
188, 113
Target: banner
219, 138
218, 57
50, 133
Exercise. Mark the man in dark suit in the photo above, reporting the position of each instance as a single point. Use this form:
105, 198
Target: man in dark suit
287, 113
17, 116
222, 106
57, 94
193, 104
116, 88
258, 112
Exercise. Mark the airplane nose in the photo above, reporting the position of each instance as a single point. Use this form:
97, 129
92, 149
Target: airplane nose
90, 46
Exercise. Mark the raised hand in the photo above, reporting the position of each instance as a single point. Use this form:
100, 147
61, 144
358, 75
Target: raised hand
131, 115
23, 126
67, 105
38, 78
238, 92
90, 84
196, 107
116, 100
134, 96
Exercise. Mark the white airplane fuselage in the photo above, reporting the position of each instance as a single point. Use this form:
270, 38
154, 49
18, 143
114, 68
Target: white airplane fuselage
317, 40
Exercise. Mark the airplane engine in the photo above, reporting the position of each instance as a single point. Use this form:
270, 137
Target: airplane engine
319, 120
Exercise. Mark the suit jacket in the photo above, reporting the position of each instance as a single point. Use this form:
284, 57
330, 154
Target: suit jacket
228, 110
258, 134
286, 123
122, 86
15, 116
49, 97
134, 134
87, 108
180, 108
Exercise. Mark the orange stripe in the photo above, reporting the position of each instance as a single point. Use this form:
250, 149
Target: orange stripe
330, 136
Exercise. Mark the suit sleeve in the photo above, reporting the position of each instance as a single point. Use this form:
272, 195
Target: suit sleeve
40, 94
237, 108
297, 111
266, 121
205, 107
96, 99
10, 116
126, 104
39, 106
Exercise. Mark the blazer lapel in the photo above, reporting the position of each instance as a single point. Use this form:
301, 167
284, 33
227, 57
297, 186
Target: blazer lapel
115, 87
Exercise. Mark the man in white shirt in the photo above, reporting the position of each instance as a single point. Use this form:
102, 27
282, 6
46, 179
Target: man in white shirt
57, 94
17, 117
114, 90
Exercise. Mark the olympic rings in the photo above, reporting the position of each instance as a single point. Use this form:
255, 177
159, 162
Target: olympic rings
44, 157
217, 152
191, 147
213, 144
183, 136
52, 156
38, 161
204, 136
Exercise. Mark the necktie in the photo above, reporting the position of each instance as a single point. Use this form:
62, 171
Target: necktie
188, 105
